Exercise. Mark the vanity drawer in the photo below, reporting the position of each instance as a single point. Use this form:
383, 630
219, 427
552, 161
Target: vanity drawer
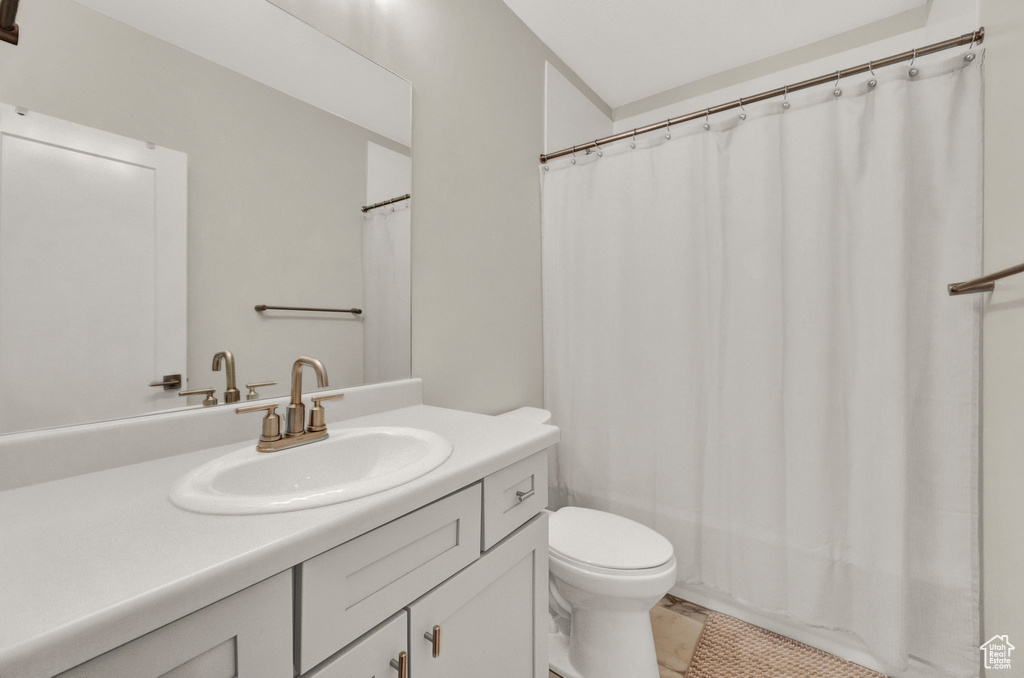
371, 655
504, 509
343, 592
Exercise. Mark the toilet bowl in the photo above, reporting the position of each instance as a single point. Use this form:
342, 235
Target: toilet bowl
606, 573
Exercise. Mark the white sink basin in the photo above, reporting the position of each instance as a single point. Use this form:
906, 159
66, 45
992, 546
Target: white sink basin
349, 464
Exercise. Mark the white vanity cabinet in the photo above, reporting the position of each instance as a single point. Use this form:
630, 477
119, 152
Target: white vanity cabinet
484, 614
248, 634
454, 589
490, 617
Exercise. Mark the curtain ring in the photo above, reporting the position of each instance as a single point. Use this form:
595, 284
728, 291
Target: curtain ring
632, 144
837, 92
599, 152
969, 57
573, 161
913, 71
873, 82
707, 123
785, 97
668, 128
743, 110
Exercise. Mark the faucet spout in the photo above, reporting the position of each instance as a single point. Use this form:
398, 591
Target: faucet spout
318, 368
231, 393
295, 425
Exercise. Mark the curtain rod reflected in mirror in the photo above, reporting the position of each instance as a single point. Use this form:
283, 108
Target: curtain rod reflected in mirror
382, 203
8, 15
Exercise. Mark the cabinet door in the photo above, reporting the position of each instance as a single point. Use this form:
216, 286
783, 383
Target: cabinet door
248, 635
371, 655
491, 615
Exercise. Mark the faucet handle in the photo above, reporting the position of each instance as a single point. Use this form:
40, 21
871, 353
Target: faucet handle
316, 415
208, 401
316, 399
253, 395
271, 423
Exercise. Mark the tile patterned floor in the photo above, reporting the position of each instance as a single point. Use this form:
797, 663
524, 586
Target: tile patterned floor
677, 625
734, 648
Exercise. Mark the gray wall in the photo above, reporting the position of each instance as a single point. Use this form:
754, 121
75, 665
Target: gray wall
478, 126
274, 184
1003, 375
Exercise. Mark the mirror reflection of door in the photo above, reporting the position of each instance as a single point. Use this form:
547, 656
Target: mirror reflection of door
92, 272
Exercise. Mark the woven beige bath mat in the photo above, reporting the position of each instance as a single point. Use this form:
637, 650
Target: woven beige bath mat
730, 648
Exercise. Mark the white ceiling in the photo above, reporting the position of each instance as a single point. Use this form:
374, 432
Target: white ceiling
626, 50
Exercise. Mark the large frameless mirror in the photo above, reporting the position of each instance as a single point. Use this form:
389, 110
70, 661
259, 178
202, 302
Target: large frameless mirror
167, 167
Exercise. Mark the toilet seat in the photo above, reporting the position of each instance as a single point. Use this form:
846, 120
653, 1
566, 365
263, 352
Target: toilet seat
605, 543
561, 563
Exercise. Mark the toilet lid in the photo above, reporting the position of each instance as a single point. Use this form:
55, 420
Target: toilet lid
606, 540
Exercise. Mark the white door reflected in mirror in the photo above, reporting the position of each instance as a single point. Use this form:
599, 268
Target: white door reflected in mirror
92, 272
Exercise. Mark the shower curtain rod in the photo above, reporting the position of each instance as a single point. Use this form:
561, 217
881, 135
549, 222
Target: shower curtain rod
976, 37
367, 208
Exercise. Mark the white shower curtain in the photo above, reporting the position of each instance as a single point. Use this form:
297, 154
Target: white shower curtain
749, 347
387, 246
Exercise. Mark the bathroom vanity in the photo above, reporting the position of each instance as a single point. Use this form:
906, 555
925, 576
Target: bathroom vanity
445, 575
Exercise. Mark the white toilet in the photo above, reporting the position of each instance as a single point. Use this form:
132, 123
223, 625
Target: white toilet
606, 573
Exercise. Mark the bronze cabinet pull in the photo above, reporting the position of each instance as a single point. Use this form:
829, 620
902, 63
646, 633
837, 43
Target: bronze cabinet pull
401, 664
435, 640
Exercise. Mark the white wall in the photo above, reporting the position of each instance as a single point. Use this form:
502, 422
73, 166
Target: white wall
478, 128
1003, 392
569, 116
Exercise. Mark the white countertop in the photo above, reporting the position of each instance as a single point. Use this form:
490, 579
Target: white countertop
90, 562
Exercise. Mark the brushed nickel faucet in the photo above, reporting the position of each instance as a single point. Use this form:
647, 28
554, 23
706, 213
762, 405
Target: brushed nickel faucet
295, 433
295, 423
231, 393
